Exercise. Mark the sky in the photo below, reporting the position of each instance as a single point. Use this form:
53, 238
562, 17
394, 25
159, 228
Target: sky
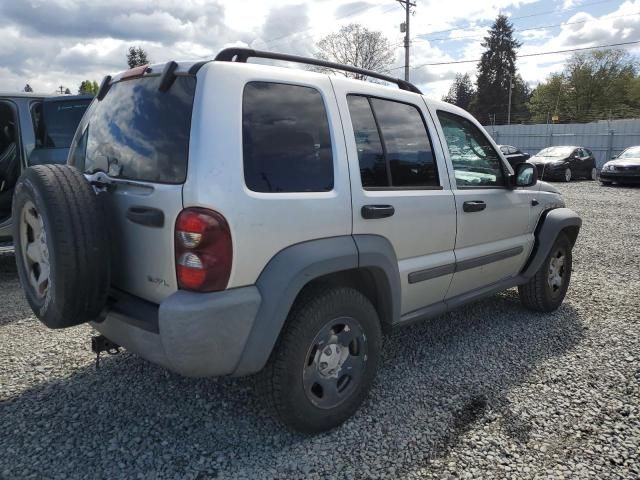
48, 43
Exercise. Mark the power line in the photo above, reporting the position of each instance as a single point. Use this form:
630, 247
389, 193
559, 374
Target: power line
537, 54
475, 37
524, 16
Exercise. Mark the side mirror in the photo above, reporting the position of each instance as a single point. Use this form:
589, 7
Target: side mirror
526, 175
614, 157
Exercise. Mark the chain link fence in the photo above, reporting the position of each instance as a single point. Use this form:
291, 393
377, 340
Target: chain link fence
604, 138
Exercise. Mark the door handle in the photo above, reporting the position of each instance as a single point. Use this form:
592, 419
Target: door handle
147, 216
377, 211
474, 206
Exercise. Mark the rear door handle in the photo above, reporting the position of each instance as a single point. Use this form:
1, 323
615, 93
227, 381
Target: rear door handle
474, 206
147, 216
377, 211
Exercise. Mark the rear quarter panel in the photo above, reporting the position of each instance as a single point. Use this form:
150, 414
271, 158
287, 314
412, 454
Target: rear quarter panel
262, 224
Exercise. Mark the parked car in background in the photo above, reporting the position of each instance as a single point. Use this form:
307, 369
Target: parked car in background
625, 168
565, 163
18, 112
34, 129
513, 155
57, 122
239, 242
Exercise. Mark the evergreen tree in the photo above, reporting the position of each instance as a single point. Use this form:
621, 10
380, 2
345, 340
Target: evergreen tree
27, 88
136, 57
461, 92
496, 69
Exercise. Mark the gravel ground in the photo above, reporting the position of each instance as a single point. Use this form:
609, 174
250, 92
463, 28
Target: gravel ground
489, 391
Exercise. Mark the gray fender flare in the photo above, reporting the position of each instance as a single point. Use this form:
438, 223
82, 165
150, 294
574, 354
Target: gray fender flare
376, 254
548, 229
291, 269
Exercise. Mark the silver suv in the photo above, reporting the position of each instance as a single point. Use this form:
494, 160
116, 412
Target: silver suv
228, 218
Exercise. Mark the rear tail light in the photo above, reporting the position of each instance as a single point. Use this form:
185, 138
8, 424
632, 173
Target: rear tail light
203, 250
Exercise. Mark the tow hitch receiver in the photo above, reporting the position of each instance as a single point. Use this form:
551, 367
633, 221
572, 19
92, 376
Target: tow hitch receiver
100, 344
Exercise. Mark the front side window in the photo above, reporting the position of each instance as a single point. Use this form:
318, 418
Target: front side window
285, 139
394, 148
475, 161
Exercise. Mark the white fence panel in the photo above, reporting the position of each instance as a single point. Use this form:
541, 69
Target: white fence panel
604, 138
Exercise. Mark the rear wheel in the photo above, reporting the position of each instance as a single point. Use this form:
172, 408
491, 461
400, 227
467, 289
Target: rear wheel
325, 361
548, 287
594, 173
62, 253
567, 175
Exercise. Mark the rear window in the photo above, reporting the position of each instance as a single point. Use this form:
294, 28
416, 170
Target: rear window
60, 120
138, 132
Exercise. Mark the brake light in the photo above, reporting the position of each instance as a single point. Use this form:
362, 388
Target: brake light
135, 72
204, 252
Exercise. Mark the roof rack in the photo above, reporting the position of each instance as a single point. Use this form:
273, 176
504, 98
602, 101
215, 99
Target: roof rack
242, 54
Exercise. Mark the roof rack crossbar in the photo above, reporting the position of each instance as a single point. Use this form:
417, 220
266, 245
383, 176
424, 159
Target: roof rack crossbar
243, 54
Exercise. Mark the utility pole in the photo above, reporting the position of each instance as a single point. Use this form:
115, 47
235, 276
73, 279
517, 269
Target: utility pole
61, 89
406, 4
509, 110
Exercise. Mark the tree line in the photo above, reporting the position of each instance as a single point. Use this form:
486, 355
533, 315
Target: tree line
601, 84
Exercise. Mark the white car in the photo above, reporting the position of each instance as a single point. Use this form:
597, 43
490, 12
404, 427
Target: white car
228, 218
624, 168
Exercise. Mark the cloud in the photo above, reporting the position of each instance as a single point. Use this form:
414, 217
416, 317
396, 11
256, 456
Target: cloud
350, 9
53, 42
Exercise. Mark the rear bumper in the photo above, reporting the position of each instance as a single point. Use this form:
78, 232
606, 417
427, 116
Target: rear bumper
193, 334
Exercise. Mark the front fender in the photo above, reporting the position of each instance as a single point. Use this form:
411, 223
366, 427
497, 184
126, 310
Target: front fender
550, 226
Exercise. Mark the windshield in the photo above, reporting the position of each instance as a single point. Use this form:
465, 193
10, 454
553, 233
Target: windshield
60, 120
555, 152
633, 152
138, 132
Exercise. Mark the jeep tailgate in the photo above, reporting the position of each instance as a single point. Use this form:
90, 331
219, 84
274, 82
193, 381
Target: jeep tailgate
135, 143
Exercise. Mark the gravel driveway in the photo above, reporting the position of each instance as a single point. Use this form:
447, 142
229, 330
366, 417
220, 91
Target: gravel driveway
490, 391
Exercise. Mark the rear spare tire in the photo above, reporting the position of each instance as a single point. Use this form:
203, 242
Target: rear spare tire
60, 238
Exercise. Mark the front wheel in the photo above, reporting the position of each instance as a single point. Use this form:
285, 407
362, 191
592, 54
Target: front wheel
325, 361
567, 175
548, 287
594, 173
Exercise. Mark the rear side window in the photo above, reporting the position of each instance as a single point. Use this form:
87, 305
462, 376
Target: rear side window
394, 148
285, 139
138, 132
373, 163
60, 120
